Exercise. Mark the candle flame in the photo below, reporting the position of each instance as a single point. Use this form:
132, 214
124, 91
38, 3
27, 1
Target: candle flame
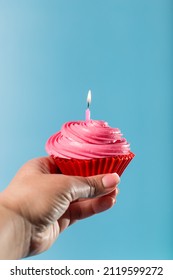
89, 98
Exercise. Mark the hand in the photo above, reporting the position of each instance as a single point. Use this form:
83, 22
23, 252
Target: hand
39, 204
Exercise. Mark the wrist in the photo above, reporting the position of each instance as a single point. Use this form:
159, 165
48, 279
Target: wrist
15, 234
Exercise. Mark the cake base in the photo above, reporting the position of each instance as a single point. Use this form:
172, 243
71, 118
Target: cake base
80, 167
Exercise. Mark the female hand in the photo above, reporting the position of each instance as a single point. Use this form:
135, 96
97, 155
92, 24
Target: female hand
39, 204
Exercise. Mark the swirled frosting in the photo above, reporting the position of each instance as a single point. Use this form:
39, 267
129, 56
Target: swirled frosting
86, 140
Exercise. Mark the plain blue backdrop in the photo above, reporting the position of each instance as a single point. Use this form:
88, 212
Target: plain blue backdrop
51, 53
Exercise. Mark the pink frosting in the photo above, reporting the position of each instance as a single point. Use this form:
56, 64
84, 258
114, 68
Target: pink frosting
86, 140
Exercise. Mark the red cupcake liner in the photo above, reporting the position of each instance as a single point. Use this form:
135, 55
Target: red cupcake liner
80, 167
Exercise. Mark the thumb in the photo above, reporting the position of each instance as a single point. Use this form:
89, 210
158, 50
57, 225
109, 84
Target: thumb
75, 187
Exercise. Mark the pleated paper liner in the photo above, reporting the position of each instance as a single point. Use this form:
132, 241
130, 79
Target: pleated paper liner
80, 167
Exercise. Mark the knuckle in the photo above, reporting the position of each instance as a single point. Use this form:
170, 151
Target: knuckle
93, 185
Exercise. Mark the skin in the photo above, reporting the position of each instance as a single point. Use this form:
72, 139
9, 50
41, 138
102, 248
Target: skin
40, 203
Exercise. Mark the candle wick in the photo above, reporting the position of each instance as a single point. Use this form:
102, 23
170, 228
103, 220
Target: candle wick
88, 105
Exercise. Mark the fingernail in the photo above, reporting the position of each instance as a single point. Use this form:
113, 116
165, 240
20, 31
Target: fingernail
117, 191
117, 176
110, 180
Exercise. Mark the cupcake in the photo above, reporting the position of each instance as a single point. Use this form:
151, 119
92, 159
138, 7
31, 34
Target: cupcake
86, 148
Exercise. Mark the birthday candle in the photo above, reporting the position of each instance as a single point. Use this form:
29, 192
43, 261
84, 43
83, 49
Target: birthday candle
87, 112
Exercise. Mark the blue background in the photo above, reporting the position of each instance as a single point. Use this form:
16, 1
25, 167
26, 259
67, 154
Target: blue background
51, 53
